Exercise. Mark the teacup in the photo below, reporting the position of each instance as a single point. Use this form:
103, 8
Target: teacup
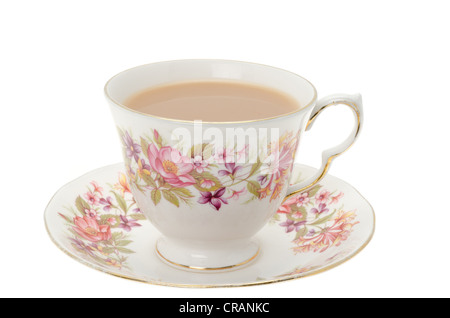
208, 207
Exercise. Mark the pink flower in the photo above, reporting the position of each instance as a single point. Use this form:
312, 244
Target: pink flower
205, 183
171, 165
112, 221
235, 194
302, 199
89, 229
243, 152
155, 134
323, 196
92, 214
278, 162
92, 198
336, 198
286, 207
223, 156
97, 188
200, 164
297, 215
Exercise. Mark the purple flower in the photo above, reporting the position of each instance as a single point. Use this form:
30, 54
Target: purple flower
107, 203
215, 199
322, 209
292, 225
262, 179
143, 167
127, 224
79, 245
231, 169
137, 210
132, 148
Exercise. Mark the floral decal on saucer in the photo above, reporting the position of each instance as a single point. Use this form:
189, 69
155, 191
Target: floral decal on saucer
305, 269
99, 223
316, 220
163, 173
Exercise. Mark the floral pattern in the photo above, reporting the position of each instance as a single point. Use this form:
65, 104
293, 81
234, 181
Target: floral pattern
163, 173
301, 270
100, 227
98, 223
315, 220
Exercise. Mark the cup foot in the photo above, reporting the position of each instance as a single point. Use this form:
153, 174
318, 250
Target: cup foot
207, 256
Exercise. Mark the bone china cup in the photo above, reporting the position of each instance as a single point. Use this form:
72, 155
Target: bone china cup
206, 195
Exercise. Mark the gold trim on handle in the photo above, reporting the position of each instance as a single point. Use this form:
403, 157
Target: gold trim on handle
331, 158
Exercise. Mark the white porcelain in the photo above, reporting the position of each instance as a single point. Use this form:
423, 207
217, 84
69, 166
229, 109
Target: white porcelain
208, 209
124, 246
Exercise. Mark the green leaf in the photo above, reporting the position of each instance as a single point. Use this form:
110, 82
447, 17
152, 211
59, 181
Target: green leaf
324, 219
183, 192
208, 151
156, 196
121, 202
172, 198
250, 200
253, 187
149, 180
81, 205
124, 243
199, 177
121, 133
303, 212
301, 233
314, 190
296, 209
157, 138
276, 218
104, 219
140, 189
117, 236
138, 217
255, 167
144, 146
192, 150
125, 250
108, 250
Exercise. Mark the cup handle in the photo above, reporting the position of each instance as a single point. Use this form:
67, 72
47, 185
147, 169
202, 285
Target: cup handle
355, 103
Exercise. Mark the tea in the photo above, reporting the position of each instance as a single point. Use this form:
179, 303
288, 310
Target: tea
212, 101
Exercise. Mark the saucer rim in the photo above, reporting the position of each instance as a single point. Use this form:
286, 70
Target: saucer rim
153, 282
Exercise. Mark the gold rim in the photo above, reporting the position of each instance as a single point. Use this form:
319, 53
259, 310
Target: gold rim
332, 157
198, 268
210, 122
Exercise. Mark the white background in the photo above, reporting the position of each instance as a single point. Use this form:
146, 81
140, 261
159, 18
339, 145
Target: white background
55, 124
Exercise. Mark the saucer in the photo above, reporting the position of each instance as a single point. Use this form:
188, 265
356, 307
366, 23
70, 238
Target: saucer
95, 220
